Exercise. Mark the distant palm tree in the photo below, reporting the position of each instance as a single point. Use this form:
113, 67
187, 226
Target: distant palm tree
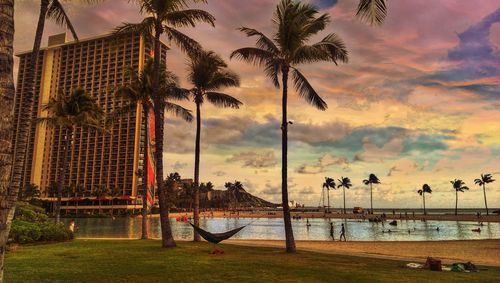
372, 179
69, 112
138, 91
114, 192
485, 179
29, 192
295, 24
79, 192
425, 189
208, 73
344, 183
99, 193
68, 191
164, 17
328, 184
459, 186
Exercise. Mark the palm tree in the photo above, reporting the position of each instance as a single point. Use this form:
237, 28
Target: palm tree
138, 91
425, 189
114, 192
164, 17
79, 191
68, 191
372, 179
459, 186
329, 184
345, 183
29, 192
485, 179
9, 187
208, 73
295, 23
99, 193
68, 112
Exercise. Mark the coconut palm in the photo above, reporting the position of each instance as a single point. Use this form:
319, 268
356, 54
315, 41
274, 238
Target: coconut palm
138, 91
372, 179
485, 179
458, 186
100, 192
9, 187
164, 17
425, 189
68, 112
114, 193
29, 192
295, 24
68, 191
79, 192
344, 183
208, 73
328, 184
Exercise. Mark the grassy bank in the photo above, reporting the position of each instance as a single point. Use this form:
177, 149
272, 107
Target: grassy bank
144, 261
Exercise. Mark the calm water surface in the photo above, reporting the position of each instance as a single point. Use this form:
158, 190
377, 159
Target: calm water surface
272, 229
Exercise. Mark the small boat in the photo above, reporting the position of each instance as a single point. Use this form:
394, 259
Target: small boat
477, 230
393, 223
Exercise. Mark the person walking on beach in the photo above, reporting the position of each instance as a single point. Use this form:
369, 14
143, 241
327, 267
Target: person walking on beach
342, 233
332, 231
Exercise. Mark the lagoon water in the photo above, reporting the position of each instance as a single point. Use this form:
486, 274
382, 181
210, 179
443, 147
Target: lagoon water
272, 229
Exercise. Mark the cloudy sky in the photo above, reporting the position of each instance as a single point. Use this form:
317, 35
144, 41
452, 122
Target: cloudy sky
418, 102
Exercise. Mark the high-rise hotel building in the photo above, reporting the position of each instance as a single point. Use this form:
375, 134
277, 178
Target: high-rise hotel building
112, 159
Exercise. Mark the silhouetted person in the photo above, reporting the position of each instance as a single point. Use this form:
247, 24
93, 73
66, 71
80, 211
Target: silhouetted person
332, 231
342, 233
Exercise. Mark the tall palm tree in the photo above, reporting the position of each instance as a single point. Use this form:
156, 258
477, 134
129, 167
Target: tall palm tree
9, 188
138, 91
372, 179
328, 184
29, 192
425, 189
295, 24
99, 193
344, 183
69, 112
164, 17
79, 191
208, 73
485, 179
458, 186
114, 192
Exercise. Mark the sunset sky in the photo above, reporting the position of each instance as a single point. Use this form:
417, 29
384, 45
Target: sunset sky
418, 102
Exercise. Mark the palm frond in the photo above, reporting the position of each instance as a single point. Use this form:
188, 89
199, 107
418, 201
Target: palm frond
335, 47
179, 111
144, 27
305, 90
184, 18
223, 78
273, 70
372, 12
56, 12
223, 100
184, 42
263, 42
253, 55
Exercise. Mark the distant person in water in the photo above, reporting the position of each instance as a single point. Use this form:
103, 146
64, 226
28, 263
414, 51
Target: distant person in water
332, 231
308, 224
342, 233
437, 229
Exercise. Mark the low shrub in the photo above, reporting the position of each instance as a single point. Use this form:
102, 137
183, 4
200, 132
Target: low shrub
24, 232
54, 232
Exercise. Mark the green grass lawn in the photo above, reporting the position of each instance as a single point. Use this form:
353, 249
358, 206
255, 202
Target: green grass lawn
145, 261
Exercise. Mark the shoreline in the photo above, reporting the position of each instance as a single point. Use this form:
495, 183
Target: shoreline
305, 215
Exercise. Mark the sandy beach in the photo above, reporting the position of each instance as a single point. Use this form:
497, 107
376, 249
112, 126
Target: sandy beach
335, 215
482, 252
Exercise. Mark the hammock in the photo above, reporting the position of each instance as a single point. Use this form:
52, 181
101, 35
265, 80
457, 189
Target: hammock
216, 237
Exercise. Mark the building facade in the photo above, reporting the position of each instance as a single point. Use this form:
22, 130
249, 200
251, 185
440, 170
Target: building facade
98, 65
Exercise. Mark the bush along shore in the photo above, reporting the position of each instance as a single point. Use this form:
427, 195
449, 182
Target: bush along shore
31, 224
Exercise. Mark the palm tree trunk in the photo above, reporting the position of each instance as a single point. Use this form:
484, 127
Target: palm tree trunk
456, 202
9, 188
62, 174
328, 195
166, 230
371, 197
423, 197
485, 203
144, 234
344, 200
290, 242
197, 172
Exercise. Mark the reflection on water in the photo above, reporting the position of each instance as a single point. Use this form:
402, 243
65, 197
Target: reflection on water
272, 229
